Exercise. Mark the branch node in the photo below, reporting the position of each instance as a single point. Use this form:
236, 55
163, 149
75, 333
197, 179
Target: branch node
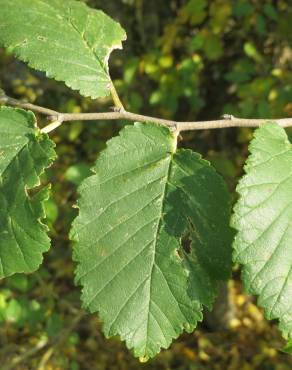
3, 99
174, 127
57, 118
228, 117
117, 109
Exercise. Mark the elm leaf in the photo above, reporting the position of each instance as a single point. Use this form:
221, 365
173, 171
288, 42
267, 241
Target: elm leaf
144, 198
263, 217
64, 38
24, 155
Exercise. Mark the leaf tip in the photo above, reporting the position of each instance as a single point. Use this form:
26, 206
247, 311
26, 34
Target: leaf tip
143, 359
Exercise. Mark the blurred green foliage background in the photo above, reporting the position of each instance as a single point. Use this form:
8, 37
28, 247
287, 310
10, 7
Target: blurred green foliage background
184, 60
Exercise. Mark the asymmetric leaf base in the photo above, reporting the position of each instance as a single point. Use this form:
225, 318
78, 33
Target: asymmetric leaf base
145, 200
152, 238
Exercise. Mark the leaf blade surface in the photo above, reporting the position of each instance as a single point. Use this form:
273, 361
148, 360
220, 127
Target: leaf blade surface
24, 155
263, 218
64, 38
127, 241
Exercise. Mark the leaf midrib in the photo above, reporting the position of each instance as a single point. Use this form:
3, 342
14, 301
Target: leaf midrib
85, 42
159, 224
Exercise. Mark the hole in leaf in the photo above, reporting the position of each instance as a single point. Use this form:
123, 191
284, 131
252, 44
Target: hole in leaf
186, 243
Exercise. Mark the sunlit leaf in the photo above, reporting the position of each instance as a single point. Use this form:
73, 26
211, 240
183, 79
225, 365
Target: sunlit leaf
64, 38
145, 204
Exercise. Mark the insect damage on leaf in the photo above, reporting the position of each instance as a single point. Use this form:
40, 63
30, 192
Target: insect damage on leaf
132, 214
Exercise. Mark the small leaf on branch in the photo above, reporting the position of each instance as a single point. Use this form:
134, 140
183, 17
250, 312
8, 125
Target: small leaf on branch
24, 155
143, 199
64, 38
263, 217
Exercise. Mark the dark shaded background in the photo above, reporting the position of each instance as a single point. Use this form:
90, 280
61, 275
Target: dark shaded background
183, 60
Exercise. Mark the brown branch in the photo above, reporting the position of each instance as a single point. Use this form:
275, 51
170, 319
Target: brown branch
4, 99
226, 121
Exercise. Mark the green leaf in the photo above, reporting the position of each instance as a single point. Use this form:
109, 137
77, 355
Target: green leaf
288, 348
64, 38
77, 173
18, 282
24, 154
54, 325
263, 220
144, 197
13, 311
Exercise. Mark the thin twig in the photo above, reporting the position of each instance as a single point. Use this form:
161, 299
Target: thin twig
4, 99
26, 355
61, 340
226, 122
44, 343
